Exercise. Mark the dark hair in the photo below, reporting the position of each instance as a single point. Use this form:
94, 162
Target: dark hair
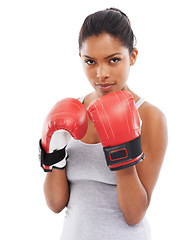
111, 21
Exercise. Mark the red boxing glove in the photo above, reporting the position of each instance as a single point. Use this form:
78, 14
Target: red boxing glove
117, 122
67, 118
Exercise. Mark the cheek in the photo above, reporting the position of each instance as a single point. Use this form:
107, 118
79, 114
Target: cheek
90, 73
123, 72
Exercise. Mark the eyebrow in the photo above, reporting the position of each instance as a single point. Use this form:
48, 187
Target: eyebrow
112, 55
88, 57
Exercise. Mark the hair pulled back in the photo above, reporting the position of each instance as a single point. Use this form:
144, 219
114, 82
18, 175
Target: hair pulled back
111, 21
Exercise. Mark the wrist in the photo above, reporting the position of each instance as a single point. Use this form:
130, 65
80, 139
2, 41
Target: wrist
126, 172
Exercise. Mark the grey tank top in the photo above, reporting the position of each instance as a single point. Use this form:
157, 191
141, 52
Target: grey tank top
93, 212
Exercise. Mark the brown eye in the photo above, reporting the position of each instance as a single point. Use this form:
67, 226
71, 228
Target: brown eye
90, 62
115, 60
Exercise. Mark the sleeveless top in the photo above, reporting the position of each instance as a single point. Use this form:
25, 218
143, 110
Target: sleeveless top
93, 212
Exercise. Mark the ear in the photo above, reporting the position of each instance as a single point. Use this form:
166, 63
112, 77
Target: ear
133, 56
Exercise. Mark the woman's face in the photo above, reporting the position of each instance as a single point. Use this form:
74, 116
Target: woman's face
106, 63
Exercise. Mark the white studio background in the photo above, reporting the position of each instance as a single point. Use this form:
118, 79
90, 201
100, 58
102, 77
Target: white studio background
39, 65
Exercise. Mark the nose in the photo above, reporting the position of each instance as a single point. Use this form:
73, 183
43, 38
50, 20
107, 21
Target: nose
102, 73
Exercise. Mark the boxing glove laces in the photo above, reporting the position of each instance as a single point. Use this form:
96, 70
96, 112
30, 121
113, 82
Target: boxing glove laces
67, 118
117, 122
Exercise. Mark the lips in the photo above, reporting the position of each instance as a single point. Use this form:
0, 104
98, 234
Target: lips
105, 86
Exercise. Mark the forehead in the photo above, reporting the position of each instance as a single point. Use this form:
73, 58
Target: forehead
102, 45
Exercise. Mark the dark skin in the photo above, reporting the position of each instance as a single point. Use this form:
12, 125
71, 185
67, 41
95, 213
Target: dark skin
107, 64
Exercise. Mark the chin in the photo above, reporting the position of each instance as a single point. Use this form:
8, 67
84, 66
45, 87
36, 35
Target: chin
111, 91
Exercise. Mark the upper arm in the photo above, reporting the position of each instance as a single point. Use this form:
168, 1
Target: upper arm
154, 143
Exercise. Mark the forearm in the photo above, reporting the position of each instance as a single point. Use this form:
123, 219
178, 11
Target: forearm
56, 190
132, 196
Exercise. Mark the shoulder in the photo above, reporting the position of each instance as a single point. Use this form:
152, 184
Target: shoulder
151, 115
149, 112
154, 128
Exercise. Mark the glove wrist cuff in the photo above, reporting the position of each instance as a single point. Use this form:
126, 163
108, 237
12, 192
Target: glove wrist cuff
56, 159
124, 155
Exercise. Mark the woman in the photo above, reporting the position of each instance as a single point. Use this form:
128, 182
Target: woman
104, 204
